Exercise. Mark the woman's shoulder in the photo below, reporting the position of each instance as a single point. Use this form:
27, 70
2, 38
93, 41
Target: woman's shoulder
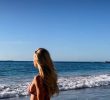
37, 79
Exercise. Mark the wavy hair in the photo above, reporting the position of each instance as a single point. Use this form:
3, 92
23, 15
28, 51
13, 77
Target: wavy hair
47, 71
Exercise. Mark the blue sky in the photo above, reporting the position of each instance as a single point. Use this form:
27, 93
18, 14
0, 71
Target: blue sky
72, 30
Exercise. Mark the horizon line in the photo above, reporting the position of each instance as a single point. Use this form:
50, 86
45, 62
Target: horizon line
53, 61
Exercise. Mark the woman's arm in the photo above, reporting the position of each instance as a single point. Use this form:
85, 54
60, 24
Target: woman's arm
32, 88
39, 88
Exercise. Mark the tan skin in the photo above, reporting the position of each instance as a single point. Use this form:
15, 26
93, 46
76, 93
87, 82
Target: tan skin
36, 89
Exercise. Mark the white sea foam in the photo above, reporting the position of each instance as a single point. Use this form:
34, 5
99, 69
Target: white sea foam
65, 83
8, 91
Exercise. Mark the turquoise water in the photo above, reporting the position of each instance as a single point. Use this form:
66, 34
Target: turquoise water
76, 76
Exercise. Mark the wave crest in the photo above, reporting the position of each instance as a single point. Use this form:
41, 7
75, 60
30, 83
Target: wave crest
67, 83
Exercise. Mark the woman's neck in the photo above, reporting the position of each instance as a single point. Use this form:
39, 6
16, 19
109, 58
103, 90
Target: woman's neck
40, 70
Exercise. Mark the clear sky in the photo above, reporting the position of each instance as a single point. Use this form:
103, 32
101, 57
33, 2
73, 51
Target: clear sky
72, 30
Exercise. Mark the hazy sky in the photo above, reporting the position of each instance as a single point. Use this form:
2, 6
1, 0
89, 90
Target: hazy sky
72, 30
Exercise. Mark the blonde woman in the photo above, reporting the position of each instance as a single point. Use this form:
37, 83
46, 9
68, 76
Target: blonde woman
44, 85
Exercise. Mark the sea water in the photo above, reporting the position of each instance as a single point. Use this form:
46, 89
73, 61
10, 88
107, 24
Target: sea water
75, 77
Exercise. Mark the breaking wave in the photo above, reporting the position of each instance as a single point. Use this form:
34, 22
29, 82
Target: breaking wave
65, 83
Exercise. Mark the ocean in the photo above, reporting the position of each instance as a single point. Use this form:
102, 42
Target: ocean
76, 80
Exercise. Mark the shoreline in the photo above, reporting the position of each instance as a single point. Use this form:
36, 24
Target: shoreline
97, 93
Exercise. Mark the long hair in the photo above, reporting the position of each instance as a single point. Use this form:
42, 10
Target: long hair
47, 71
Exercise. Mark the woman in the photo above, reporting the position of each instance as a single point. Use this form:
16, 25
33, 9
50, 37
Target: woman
44, 85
